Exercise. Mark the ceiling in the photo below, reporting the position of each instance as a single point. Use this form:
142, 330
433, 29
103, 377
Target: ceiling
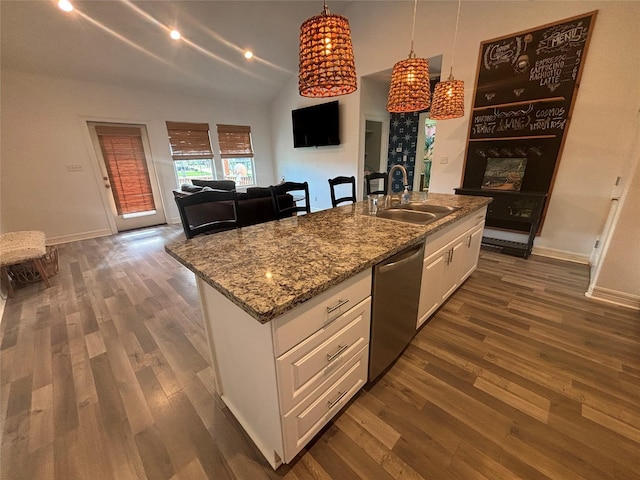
128, 43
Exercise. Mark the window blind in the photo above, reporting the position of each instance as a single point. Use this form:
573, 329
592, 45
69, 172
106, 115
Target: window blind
235, 141
126, 166
189, 140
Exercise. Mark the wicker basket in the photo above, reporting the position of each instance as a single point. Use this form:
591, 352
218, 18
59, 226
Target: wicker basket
27, 273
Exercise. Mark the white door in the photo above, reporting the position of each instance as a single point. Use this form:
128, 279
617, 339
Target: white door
130, 186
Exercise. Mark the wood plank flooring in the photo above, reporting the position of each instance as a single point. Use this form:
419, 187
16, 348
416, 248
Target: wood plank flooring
105, 375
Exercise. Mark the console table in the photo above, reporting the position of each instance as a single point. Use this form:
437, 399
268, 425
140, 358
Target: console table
519, 211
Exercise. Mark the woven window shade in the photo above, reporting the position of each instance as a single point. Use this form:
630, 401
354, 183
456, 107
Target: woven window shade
327, 67
189, 140
126, 166
235, 141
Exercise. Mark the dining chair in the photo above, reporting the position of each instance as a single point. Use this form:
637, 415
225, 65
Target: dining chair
372, 177
300, 194
208, 212
334, 182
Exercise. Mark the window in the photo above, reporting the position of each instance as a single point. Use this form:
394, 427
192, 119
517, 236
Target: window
237, 154
191, 151
126, 166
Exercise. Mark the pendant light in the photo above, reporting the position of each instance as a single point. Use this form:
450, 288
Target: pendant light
327, 67
409, 91
448, 96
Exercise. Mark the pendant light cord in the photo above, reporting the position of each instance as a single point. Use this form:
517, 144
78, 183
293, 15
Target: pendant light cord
413, 28
455, 38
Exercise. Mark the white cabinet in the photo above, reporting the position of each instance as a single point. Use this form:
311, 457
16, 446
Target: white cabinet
470, 252
285, 379
430, 287
450, 257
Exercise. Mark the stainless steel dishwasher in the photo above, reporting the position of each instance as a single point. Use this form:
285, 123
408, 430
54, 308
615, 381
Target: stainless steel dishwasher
396, 292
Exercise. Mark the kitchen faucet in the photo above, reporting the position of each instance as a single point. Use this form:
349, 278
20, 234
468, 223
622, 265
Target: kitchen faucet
405, 180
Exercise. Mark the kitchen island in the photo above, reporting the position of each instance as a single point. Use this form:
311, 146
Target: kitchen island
287, 308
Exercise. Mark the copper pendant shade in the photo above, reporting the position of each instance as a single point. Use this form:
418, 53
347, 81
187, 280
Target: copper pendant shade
410, 90
327, 67
448, 100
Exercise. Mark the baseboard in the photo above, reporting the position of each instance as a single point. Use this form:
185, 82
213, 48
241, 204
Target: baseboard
561, 255
621, 299
78, 236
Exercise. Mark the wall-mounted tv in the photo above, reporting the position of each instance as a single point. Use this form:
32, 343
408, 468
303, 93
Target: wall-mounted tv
316, 126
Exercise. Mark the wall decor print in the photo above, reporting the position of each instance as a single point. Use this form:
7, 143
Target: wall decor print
504, 174
526, 87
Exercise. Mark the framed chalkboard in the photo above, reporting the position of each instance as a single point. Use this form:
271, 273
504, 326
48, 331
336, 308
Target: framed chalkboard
525, 89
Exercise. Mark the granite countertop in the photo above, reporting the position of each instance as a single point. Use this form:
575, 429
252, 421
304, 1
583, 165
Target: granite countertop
269, 268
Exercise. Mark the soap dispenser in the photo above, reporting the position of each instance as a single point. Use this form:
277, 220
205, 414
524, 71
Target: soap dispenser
405, 195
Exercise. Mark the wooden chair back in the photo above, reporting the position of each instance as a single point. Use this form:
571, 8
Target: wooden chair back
208, 212
301, 194
334, 182
373, 177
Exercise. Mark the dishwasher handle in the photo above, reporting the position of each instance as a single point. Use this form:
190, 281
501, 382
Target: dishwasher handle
419, 252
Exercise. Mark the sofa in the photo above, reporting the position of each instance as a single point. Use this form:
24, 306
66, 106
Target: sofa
254, 206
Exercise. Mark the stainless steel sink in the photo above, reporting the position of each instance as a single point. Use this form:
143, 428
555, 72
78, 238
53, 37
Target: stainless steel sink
416, 212
404, 215
425, 207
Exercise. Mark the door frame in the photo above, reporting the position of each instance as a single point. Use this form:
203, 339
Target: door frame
384, 144
105, 196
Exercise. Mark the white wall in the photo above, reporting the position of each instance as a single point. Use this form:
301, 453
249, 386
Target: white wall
603, 126
617, 276
314, 164
44, 128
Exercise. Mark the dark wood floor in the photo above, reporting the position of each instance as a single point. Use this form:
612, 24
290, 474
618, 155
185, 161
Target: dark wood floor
519, 376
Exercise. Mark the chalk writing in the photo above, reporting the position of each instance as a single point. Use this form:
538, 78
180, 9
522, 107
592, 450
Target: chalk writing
506, 51
533, 118
562, 38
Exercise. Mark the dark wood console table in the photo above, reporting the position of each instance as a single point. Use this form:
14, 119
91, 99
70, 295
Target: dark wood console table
518, 211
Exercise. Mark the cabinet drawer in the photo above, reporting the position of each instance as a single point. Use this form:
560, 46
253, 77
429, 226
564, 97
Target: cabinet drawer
304, 421
320, 311
306, 366
435, 242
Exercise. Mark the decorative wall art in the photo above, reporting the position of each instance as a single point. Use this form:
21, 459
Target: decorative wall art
504, 174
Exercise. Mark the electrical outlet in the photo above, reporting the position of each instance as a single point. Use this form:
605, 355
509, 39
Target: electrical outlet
74, 168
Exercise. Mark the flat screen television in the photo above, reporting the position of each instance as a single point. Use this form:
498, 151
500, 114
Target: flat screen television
316, 126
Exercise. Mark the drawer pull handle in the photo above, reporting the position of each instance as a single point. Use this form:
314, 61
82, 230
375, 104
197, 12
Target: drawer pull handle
332, 356
331, 404
337, 306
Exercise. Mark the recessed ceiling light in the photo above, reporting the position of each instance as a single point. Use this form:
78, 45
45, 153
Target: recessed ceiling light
175, 34
248, 54
65, 5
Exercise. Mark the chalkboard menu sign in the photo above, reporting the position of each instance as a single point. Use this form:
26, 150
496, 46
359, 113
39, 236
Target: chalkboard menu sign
525, 89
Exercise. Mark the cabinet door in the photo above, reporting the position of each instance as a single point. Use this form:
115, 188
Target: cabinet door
431, 284
452, 267
469, 257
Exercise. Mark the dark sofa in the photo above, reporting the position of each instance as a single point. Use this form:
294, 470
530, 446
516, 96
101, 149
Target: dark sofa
254, 206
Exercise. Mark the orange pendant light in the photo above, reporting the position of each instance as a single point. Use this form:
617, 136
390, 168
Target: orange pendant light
410, 91
448, 96
327, 67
